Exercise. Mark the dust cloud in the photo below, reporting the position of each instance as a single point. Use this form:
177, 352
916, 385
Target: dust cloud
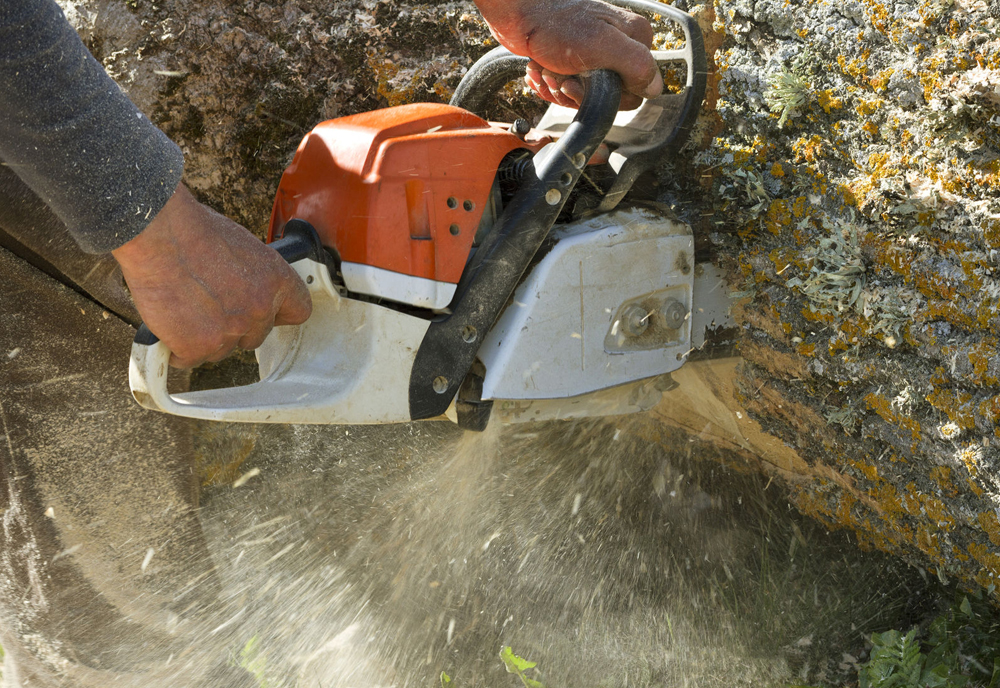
377, 557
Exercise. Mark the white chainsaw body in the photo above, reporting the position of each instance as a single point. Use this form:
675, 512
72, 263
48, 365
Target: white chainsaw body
350, 362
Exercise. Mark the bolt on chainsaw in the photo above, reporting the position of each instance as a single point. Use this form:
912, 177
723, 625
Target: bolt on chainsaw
466, 269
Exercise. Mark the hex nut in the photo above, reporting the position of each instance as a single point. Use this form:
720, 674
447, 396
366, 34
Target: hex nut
673, 313
634, 321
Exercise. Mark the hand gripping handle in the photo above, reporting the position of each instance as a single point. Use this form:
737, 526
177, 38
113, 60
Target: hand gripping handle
150, 361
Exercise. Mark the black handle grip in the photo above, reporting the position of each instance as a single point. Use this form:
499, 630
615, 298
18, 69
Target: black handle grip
447, 353
490, 73
299, 240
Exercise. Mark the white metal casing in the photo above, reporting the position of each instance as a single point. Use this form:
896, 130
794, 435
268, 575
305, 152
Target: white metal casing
550, 342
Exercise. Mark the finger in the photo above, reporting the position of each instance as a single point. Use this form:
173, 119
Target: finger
630, 58
572, 89
540, 89
187, 357
600, 156
295, 305
253, 339
226, 349
630, 101
534, 71
554, 82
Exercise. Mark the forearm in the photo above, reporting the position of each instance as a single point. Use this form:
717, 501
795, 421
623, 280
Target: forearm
70, 133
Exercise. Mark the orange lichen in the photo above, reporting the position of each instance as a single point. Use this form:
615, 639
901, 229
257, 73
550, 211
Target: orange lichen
880, 82
808, 150
942, 476
866, 108
777, 170
985, 557
989, 522
880, 405
957, 405
828, 101
807, 349
856, 68
778, 216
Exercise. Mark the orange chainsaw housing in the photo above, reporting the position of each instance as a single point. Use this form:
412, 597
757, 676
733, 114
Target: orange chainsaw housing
402, 189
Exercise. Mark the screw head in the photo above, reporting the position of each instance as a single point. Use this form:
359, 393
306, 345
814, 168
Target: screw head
440, 384
673, 313
520, 127
553, 196
469, 334
634, 320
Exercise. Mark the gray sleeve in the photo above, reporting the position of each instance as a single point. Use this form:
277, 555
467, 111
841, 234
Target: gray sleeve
71, 134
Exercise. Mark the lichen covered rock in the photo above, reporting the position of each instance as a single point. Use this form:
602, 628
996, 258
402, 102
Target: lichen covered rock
853, 188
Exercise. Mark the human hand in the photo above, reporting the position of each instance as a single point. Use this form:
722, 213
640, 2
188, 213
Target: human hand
568, 37
205, 285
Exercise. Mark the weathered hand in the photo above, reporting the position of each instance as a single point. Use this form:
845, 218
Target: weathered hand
205, 285
567, 37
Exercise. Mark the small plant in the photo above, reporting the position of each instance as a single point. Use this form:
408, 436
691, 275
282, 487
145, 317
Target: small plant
519, 666
837, 272
789, 91
445, 679
959, 649
253, 660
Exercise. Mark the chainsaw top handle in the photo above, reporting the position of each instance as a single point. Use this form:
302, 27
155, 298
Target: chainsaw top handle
641, 138
449, 347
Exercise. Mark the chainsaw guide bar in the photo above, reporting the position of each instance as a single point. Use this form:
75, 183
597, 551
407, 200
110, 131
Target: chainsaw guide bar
455, 264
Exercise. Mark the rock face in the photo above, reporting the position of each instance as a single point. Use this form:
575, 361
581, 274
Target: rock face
846, 173
238, 84
852, 184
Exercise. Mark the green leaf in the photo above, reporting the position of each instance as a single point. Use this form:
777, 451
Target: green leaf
940, 677
965, 607
515, 664
445, 678
253, 659
995, 680
532, 683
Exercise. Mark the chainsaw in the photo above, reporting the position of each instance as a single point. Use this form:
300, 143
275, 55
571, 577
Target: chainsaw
465, 269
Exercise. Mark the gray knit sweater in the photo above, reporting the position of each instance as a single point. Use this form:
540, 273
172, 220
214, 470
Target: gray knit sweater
71, 134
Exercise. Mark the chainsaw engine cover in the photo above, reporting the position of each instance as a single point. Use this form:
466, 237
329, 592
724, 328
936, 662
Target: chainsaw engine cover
398, 194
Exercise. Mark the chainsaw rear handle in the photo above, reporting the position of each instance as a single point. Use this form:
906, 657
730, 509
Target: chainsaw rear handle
499, 66
299, 241
150, 359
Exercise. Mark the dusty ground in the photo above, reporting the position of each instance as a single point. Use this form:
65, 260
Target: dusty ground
384, 556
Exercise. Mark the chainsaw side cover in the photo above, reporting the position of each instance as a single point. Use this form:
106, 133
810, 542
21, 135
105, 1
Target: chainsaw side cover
564, 333
398, 193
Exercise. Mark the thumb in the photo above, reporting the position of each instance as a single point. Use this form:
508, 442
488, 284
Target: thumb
295, 304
